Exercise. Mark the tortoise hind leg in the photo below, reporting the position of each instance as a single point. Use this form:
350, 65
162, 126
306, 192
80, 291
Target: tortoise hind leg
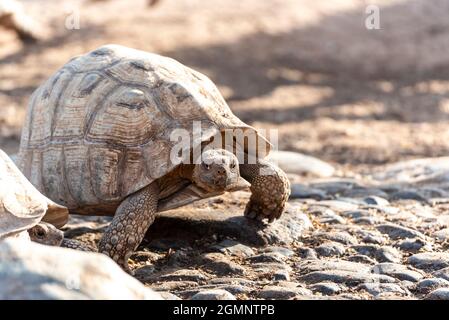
270, 190
128, 227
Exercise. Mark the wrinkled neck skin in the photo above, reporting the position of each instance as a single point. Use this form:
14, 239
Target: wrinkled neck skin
186, 171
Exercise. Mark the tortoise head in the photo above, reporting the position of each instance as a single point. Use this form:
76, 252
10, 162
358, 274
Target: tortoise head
218, 170
46, 233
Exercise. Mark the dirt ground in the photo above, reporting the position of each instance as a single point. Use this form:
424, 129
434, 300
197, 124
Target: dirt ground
354, 97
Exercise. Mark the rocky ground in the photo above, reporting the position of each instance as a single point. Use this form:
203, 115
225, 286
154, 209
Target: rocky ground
359, 100
338, 239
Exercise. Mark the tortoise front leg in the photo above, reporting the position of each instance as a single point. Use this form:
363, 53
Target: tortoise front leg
128, 227
270, 190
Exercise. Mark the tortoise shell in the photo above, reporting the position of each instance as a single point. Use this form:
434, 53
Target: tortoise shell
21, 205
99, 129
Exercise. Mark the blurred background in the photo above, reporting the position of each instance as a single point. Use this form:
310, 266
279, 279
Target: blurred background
354, 96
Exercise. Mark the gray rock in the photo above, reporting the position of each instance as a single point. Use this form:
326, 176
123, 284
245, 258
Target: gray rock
294, 162
442, 273
269, 267
368, 220
430, 260
377, 201
299, 191
430, 284
335, 186
388, 254
168, 296
377, 289
346, 277
308, 266
442, 234
438, 294
268, 257
307, 253
281, 275
355, 214
33, 271
278, 292
220, 264
336, 236
408, 195
361, 258
339, 205
286, 252
234, 248
184, 275
327, 288
397, 271
199, 222
217, 294
330, 249
395, 231
412, 245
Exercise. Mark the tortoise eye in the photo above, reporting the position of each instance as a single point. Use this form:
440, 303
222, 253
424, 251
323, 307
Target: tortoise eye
233, 165
40, 233
206, 166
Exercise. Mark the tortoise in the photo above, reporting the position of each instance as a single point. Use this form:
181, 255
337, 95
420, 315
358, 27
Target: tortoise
106, 135
22, 207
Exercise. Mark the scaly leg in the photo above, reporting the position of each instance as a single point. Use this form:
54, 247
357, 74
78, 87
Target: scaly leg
128, 227
270, 190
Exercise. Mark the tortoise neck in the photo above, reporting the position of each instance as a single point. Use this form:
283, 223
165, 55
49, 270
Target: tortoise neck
186, 171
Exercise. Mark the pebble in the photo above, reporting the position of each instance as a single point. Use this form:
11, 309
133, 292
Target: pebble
299, 191
378, 201
388, 254
330, 249
341, 237
442, 273
408, 195
268, 257
427, 285
219, 263
397, 271
286, 252
377, 289
438, 294
430, 260
184, 275
412, 245
331, 264
442, 234
307, 253
327, 288
234, 248
216, 294
278, 292
395, 231
281, 275
362, 259
346, 277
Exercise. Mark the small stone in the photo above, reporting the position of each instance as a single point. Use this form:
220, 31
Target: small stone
330, 249
427, 285
281, 275
339, 205
269, 267
341, 237
442, 273
362, 259
367, 220
217, 294
168, 296
234, 248
438, 294
388, 254
346, 277
382, 288
411, 245
277, 292
327, 288
442, 234
268, 257
308, 266
430, 260
280, 250
299, 191
355, 214
374, 200
395, 231
184, 275
220, 264
397, 271
408, 195
307, 253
